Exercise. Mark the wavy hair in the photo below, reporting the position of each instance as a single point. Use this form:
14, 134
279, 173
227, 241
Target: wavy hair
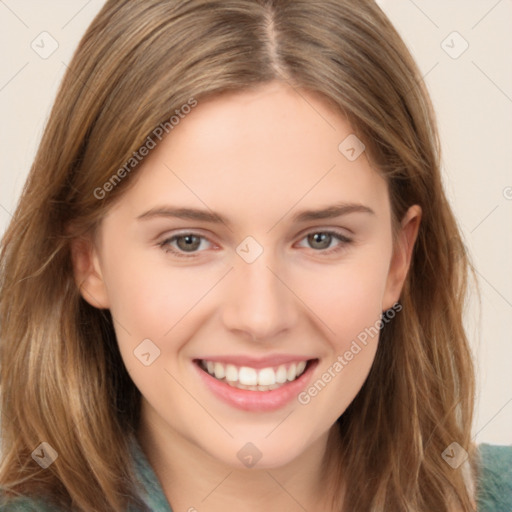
62, 377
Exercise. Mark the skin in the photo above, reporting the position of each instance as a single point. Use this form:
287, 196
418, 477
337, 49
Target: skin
257, 158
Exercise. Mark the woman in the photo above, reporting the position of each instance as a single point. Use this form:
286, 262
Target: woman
247, 366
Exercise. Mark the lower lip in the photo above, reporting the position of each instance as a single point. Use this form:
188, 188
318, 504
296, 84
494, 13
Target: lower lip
257, 401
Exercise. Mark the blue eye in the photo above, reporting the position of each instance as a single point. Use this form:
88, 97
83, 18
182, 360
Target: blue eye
188, 243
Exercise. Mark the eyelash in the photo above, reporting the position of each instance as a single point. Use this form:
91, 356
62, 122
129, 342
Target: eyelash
165, 245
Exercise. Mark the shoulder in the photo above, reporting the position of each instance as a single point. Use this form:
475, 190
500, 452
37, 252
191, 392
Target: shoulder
24, 504
494, 481
150, 491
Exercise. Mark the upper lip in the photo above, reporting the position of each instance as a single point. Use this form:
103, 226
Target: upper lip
256, 362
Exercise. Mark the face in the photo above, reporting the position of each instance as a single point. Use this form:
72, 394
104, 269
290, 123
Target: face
272, 295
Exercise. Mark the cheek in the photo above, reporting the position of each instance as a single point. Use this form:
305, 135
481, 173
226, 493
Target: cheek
149, 297
150, 301
348, 303
346, 298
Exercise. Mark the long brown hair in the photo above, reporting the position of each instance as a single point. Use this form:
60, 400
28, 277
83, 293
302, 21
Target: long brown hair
62, 378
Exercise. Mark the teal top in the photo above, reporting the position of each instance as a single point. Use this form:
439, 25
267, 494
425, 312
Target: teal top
494, 488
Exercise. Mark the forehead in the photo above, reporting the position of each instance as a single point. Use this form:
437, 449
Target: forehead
261, 152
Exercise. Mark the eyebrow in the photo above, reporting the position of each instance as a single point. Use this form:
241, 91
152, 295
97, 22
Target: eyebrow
328, 212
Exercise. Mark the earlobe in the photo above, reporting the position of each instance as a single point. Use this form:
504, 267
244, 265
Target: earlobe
402, 255
87, 273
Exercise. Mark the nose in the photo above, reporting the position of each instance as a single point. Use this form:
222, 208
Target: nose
260, 302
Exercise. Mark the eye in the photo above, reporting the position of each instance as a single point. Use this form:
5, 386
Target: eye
321, 240
186, 243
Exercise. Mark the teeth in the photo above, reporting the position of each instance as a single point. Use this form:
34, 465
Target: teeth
281, 374
253, 388
266, 377
301, 367
231, 373
248, 376
292, 372
256, 380
219, 371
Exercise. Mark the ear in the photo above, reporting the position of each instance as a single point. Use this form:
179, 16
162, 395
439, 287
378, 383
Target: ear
401, 258
87, 272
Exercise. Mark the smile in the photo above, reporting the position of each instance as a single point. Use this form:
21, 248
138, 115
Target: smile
245, 377
246, 385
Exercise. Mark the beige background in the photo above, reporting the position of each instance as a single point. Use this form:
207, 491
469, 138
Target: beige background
472, 94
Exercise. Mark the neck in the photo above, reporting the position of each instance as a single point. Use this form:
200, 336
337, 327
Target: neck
193, 480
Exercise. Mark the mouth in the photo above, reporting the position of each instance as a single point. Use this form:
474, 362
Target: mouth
254, 379
261, 389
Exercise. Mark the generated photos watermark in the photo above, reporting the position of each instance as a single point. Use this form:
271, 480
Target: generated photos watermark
149, 144
343, 360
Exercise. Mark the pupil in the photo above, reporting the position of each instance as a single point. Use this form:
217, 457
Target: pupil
321, 239
189, 242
